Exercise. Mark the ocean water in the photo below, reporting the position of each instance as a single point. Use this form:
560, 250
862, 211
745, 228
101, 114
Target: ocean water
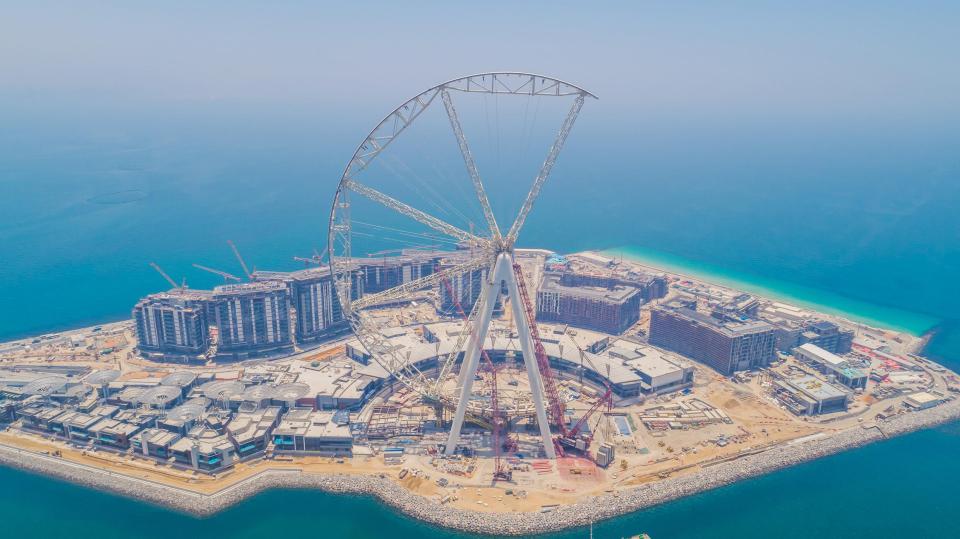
859, 220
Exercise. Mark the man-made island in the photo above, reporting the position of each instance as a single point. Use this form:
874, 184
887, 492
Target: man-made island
672, 385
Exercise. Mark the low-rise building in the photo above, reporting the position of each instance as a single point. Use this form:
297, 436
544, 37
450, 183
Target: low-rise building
204, 450
808, 395
250, 431
155, 443
308, 431
77, 425
924, 399
832, 365
7, 411
660, 371
113, 433
41, 417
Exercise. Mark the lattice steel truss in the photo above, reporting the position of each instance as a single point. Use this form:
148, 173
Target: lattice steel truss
491, 250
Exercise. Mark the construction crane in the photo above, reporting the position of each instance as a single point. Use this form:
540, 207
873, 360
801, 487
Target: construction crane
177, 287
317, 258
568, 438
226, 276
401, 250
498, 421
557, 410
572, 437
236, 253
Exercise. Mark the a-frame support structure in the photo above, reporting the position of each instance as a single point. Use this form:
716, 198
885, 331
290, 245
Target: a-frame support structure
502, 273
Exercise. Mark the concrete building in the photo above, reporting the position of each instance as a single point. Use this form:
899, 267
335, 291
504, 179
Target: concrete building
807, 395
379, 274
7, 411
828, 336
629, 367
319, 315
41, 417
832, 365
659, 371
250, 431
77, 426
155, 443
336, 385
307, 431
605, 455
173, 325
204, 450
252, 319
651, 286
725, 344
465, 287
924, 399
113, 433
610, 309
796, 327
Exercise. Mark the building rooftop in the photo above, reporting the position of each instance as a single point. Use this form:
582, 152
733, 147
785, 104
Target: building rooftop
160, 437
817, 389
308, 423
114, 428
617, 294
249, 288
621, 363
730, 328
252, 425
823, 355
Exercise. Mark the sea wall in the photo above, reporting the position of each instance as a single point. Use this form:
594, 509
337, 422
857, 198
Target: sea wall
579, 514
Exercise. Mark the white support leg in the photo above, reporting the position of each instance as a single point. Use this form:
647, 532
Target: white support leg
471, 359
502, 271
526, 345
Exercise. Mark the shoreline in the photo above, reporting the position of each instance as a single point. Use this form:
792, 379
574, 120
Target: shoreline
596, 508
780, 291
393, 495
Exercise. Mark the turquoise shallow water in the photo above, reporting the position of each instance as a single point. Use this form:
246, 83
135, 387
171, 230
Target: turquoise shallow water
856, 220
820, 300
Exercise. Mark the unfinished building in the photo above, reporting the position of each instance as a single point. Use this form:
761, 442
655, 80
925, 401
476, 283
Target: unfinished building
172, 325
725, 344
808, 395
610, 309
252, 319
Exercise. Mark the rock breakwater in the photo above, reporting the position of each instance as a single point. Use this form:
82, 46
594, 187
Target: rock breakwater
583, 512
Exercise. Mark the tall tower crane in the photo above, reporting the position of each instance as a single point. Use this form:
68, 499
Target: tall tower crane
236, 253
226, 276
569, 438
177, 287
317, 258
557, 409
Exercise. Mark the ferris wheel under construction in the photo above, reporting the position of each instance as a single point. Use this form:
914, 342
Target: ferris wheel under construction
397, 204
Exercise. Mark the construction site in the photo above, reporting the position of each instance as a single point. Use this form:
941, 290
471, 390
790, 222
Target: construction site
448, 361
621, 412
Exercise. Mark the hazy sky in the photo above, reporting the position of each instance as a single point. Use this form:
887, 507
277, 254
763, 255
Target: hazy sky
809, 60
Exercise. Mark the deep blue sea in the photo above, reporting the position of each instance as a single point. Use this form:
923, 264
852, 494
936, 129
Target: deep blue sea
862, 220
